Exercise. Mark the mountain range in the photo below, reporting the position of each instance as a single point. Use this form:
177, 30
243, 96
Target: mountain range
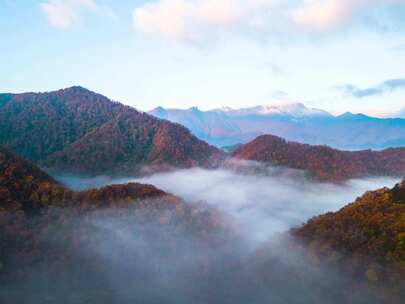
76, 131
227, 127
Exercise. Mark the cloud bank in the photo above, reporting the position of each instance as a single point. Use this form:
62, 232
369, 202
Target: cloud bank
119, 256
196, 20
326, 15
264, 204
193, 20
263, 200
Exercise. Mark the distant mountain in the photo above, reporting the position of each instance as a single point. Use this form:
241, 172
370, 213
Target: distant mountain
322, 162
215, 127
365, 238
78, 131
297, 110
227, 127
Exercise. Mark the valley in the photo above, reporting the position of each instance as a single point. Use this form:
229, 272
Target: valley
138, 204
202, 152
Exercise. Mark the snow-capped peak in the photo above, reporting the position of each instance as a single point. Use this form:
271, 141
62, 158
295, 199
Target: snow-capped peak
289, 109
226, 109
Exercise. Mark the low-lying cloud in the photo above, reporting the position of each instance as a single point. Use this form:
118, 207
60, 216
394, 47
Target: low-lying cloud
266, 204
124, 258
262, 200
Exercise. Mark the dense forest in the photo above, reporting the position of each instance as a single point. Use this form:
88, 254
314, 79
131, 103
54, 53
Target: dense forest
79, 131
34, 208
324, 163
365, 238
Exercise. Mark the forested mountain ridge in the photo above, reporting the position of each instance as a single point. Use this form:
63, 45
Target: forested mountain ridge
121, 147
366, 238
322, 162
25, 187
78, 130
34, 207
36, 125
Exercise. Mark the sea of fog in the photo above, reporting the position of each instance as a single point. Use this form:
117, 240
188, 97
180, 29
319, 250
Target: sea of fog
133, 261
262, 204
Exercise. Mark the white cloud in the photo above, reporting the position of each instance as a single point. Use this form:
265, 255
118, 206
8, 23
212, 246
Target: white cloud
325, 15
196, 20
184, 20
329, 15
64, 14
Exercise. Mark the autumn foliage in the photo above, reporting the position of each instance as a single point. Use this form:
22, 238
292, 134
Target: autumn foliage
324, 163
365, 238
34, 207
79, 131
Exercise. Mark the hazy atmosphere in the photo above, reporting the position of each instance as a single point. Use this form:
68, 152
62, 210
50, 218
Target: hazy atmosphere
261, 205
202, 151
171, 263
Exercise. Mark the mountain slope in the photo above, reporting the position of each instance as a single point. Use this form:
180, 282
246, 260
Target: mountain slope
227, 127
39, 218
19, 179
83, 132
23, 186
366, 237
322, 162
36, 125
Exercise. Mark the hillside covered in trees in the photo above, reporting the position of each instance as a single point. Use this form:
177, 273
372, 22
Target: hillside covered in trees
321, 162
79, 131
35, 209
365, 238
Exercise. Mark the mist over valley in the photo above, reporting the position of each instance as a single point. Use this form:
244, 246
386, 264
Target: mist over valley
235, 248
101, 203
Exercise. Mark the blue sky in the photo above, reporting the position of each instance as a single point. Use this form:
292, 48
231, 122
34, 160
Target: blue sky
338, 55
